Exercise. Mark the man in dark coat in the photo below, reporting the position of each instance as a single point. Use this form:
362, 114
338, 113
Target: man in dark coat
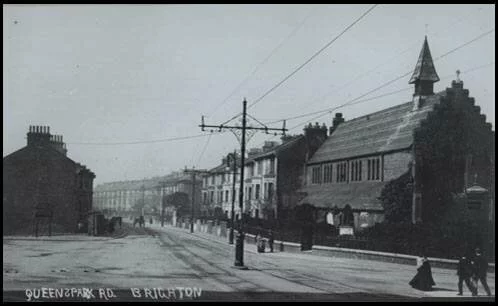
464, 272
480, 271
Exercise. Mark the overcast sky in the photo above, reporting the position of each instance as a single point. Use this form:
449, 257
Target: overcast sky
104, 74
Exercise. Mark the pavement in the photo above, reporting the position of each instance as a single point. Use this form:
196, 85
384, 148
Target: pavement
174, 259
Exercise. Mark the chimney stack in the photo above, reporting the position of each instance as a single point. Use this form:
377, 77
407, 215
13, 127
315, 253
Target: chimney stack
338, 119
315, 135
253, 152
269, 145
38, 136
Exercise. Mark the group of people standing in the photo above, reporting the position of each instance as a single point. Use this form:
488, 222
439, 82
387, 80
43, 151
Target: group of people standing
471, 270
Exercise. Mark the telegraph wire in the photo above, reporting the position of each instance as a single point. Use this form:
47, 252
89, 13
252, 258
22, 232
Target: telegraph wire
141, 142
294, 31
204, 149
353, 102
312, 57
411, 71
465, 44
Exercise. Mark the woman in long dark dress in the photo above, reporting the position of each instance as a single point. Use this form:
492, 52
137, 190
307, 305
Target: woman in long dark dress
423, 279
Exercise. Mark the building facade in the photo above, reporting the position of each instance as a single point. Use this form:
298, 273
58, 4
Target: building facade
272, 177
43, 189
437, 140
122, 197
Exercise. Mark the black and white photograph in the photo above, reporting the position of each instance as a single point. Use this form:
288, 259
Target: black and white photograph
248, 152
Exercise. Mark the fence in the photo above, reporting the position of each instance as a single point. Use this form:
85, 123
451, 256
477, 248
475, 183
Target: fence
338, 246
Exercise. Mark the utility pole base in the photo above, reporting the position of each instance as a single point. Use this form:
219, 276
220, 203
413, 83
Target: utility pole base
239, 250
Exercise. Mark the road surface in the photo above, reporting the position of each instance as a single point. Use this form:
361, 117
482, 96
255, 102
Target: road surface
171, 263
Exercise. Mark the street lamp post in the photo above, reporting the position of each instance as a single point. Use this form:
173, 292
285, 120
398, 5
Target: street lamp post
239, 243
234, 168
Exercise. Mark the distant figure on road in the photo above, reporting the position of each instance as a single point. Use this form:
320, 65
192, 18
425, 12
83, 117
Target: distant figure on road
270, 240
464, 272
423, 279
480, 271
260, 243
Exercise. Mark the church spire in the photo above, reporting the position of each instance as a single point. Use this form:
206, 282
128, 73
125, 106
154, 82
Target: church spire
424, 76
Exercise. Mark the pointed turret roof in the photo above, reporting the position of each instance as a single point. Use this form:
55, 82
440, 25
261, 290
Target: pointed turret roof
424, 70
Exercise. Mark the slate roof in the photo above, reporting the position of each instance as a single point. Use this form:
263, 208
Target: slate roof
386, 130
424, 70
361, 196
276, 149
50, 150
150, 183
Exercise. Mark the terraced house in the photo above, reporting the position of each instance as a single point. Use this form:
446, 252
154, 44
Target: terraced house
122, 197
45, 191
272, 174
438, 143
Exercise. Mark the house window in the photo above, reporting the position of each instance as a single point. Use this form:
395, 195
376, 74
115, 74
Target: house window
256, 193
373, 172
226, 195
272, 166
260, 167
270, 192
212, 180
341, 172
212, 197
223, 178
327, 173
251, 170
316, 175
356, 169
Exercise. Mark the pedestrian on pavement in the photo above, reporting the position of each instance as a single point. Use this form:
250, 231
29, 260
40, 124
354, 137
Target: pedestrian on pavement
464, 272
270, 240
423, 279
480, 271
260, 243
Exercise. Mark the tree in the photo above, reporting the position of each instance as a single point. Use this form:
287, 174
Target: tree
396, 198
181, 202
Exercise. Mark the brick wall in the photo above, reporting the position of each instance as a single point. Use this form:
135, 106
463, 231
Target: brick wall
35, 175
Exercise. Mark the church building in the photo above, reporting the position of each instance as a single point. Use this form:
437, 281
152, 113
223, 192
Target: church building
437, 145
